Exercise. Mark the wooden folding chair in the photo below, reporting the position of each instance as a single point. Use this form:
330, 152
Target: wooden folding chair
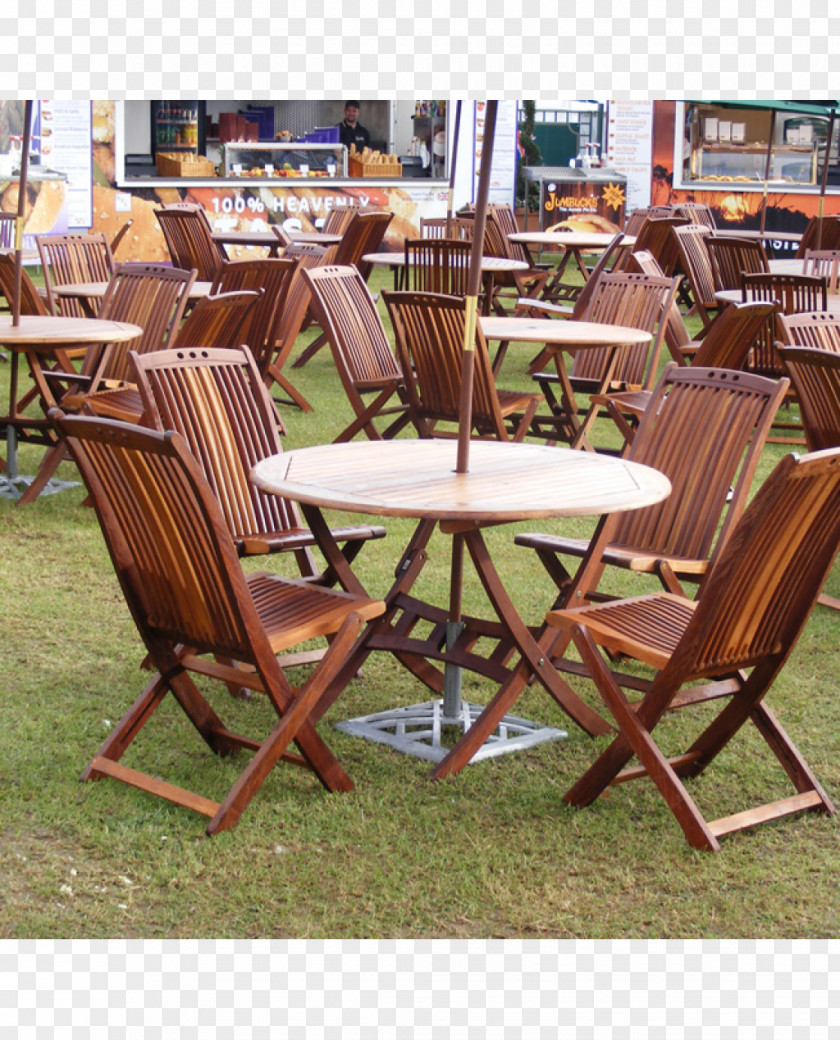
217, 320
633, 300
152, 296
690, 241
217, 401
508, 285
361, 350
825, 262
272, 359
429, 331
189, 598
438, 265
732, 258
697, 213
655, 237
819, 329
189, 239
704, 429
735, 638
362, 235
819, 233
726, 345
74, 258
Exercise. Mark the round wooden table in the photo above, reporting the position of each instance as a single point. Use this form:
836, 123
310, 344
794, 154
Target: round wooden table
505, 482
581, 240
85, 291
559, 338
44, 340
270, 241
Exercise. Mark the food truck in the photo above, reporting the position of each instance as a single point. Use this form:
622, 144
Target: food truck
251, 164
749, 161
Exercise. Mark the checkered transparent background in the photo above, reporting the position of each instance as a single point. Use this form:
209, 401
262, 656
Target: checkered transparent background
497, 48
418, 990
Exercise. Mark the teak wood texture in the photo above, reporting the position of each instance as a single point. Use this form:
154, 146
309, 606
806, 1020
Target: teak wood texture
189, 598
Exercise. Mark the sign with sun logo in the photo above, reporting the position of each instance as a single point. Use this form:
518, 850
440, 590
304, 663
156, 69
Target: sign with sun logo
614, 196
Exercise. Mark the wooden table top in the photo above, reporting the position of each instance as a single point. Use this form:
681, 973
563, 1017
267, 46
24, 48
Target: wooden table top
563, 333
488, 263
98, 289
35, 329
268, 238
760, 236
416, 478
790, 265
570, 239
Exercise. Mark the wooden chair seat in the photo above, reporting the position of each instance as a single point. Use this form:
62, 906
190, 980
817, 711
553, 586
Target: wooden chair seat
728, 647
207, 618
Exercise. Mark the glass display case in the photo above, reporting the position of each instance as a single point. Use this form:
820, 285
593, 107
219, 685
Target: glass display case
789, 164
276, 159
723, 143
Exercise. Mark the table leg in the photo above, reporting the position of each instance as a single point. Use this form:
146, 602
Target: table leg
487, 731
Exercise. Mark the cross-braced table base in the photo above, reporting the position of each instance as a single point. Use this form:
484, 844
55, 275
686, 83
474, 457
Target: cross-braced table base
15, 487
420, 728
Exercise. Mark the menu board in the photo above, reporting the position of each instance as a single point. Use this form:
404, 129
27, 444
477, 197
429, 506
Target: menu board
65, 129
503, 165
629, 148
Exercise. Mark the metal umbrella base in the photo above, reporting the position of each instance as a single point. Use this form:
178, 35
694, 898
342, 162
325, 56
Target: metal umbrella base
417, 730
14, 487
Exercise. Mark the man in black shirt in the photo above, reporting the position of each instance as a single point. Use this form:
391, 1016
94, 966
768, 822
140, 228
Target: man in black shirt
350, 131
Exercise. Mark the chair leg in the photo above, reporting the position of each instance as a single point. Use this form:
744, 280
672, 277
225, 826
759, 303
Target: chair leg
634, 738
311, 351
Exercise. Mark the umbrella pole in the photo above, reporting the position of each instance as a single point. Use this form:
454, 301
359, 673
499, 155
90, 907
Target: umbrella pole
21, 211
452, 163
824, 178
767, 169
473, 287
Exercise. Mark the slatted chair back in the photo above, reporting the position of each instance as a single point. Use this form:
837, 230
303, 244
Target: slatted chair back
691, 243
655, 236
338, 219
758, 596
734, 257
217, 321
697, 213
677, 340
825, 262
635, 300
152, 296
505, 218
701, 425
429, 330
31, 301
819, 329
270, 276
438, 265
733, 334
73, 258
189, 239
363, 234
217, 401
819, 233
514, 284
635, 221
7, 230
438, 227
190, 598
360, 346
795, 294
815, 376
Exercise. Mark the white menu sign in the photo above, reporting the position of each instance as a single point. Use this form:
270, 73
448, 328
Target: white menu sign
67, 146
503, 166
629, 148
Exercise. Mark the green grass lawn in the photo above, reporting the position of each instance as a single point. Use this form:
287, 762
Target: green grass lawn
493, 852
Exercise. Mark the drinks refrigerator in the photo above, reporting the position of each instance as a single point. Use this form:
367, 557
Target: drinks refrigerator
178, 126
